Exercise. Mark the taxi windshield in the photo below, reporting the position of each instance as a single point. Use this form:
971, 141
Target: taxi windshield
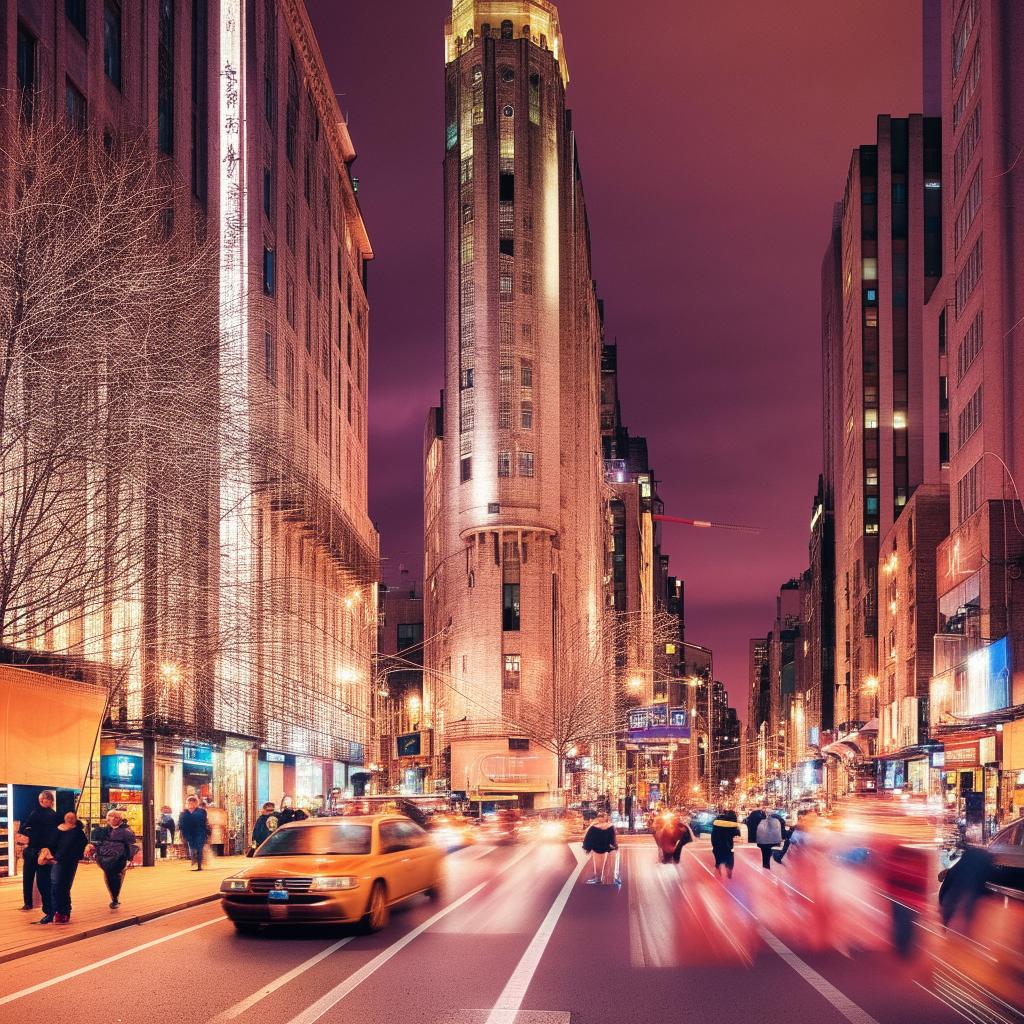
317, 841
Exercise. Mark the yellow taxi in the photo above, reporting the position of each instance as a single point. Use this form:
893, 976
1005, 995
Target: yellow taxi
334, 871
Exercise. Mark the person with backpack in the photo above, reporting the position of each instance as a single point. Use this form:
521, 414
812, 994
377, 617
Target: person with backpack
113, 846
768, 836
725, 830
752, 820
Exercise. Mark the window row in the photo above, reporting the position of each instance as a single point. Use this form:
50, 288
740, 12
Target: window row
967, 90
969, 419
965, 148
968, 210
967, 279
971, 345
525, 464
967, 495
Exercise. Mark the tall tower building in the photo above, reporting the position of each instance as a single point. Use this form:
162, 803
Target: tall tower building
514, 561
890, 434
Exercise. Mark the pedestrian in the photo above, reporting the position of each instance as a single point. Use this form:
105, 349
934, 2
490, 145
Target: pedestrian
165, 829
752, 820
788, 835
963, 885
903, 871
193, 826
217, 827
600, 840
725, 829
113, 846
37, 832
289, 812
768, 836
68, 852
671, 834
266, 823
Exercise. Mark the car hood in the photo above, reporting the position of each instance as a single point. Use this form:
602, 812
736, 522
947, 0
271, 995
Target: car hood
304, 867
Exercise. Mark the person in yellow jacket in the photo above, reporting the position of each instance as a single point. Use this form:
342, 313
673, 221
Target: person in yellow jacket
724, 830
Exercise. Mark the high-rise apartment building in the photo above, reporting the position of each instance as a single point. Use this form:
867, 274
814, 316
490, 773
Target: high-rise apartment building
889, 436
514, 566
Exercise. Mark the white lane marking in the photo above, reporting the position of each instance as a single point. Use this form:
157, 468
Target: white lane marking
511, 999
260, 994
106, 960
353, 981
846, 1006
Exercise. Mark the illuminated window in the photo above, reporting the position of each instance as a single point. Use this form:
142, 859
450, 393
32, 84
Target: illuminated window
872, 295
899, 421
872, 505
871, 419
869, 269
452, 135
510, 616
871, 527
510, 678
871, 316
871, 476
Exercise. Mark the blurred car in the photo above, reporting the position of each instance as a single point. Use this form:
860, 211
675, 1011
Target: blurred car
1006, 849
501, 826
451, 831
702, 820
341, 871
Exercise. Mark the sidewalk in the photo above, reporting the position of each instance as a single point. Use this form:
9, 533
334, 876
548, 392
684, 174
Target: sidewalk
148, 893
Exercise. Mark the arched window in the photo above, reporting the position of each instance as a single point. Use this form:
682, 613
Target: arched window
526, 31
506, 30
469, 37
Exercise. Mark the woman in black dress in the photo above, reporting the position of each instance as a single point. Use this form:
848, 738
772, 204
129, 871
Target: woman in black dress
599, 841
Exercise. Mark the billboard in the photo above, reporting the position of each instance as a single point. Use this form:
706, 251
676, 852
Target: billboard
658, 722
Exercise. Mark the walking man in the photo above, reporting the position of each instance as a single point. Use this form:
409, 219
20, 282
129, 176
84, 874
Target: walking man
192, 825
39, 828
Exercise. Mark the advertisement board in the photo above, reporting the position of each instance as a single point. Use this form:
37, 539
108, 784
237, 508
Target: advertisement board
658, 722
408, 745
121, 771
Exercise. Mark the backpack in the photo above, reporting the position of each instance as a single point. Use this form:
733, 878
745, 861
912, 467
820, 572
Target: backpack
769, 831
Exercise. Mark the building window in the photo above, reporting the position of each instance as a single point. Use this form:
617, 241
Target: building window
269, 270
967, 279
504, 464
27, 69
969, 419
466, 468
410, 634
112, 41
165, 79
871, 476
967, 495
969, 348
289, 375
899, 421
200, 99
510, 607
289, 302
291, 126
870, 419
526, 463
270, 59
268, 190
526, 416
349, 403
467, 377
510, 677
75, 106
270, 356
75, 12
526, 372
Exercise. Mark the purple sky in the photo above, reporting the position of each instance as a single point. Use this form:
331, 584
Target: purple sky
713, 139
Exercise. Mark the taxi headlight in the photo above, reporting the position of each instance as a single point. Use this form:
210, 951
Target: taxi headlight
234, 885
329, 883
551, 830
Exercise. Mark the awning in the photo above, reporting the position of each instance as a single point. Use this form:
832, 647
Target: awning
845, 749
48, 727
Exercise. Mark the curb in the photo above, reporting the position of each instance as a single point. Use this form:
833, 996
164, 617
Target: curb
113, 926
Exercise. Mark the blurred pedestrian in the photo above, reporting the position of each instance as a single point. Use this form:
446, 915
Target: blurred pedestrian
194, 829
216, 826
165, 829
600, 840
768, 836
788, 834
671, 834
963, 885
725, 830
289, 812
266, 823
752, 820
903, 874
68, 852
113, 847
37, 832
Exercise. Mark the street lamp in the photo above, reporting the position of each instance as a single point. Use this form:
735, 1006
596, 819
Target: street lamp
636, 684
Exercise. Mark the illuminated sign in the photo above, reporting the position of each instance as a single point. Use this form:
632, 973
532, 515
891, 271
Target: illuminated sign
987, 681
197, 758
409, 745
272, 757
121, 770
658, 722
124, 796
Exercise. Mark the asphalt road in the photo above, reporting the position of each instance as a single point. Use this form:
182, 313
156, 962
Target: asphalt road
519, 938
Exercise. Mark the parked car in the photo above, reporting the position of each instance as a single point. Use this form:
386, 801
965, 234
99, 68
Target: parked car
1006, 849
345, 870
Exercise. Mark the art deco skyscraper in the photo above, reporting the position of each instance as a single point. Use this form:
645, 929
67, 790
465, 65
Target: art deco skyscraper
514, 555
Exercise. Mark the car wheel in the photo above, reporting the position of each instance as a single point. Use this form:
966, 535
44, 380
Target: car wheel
434, 892
246, 927
377, 911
